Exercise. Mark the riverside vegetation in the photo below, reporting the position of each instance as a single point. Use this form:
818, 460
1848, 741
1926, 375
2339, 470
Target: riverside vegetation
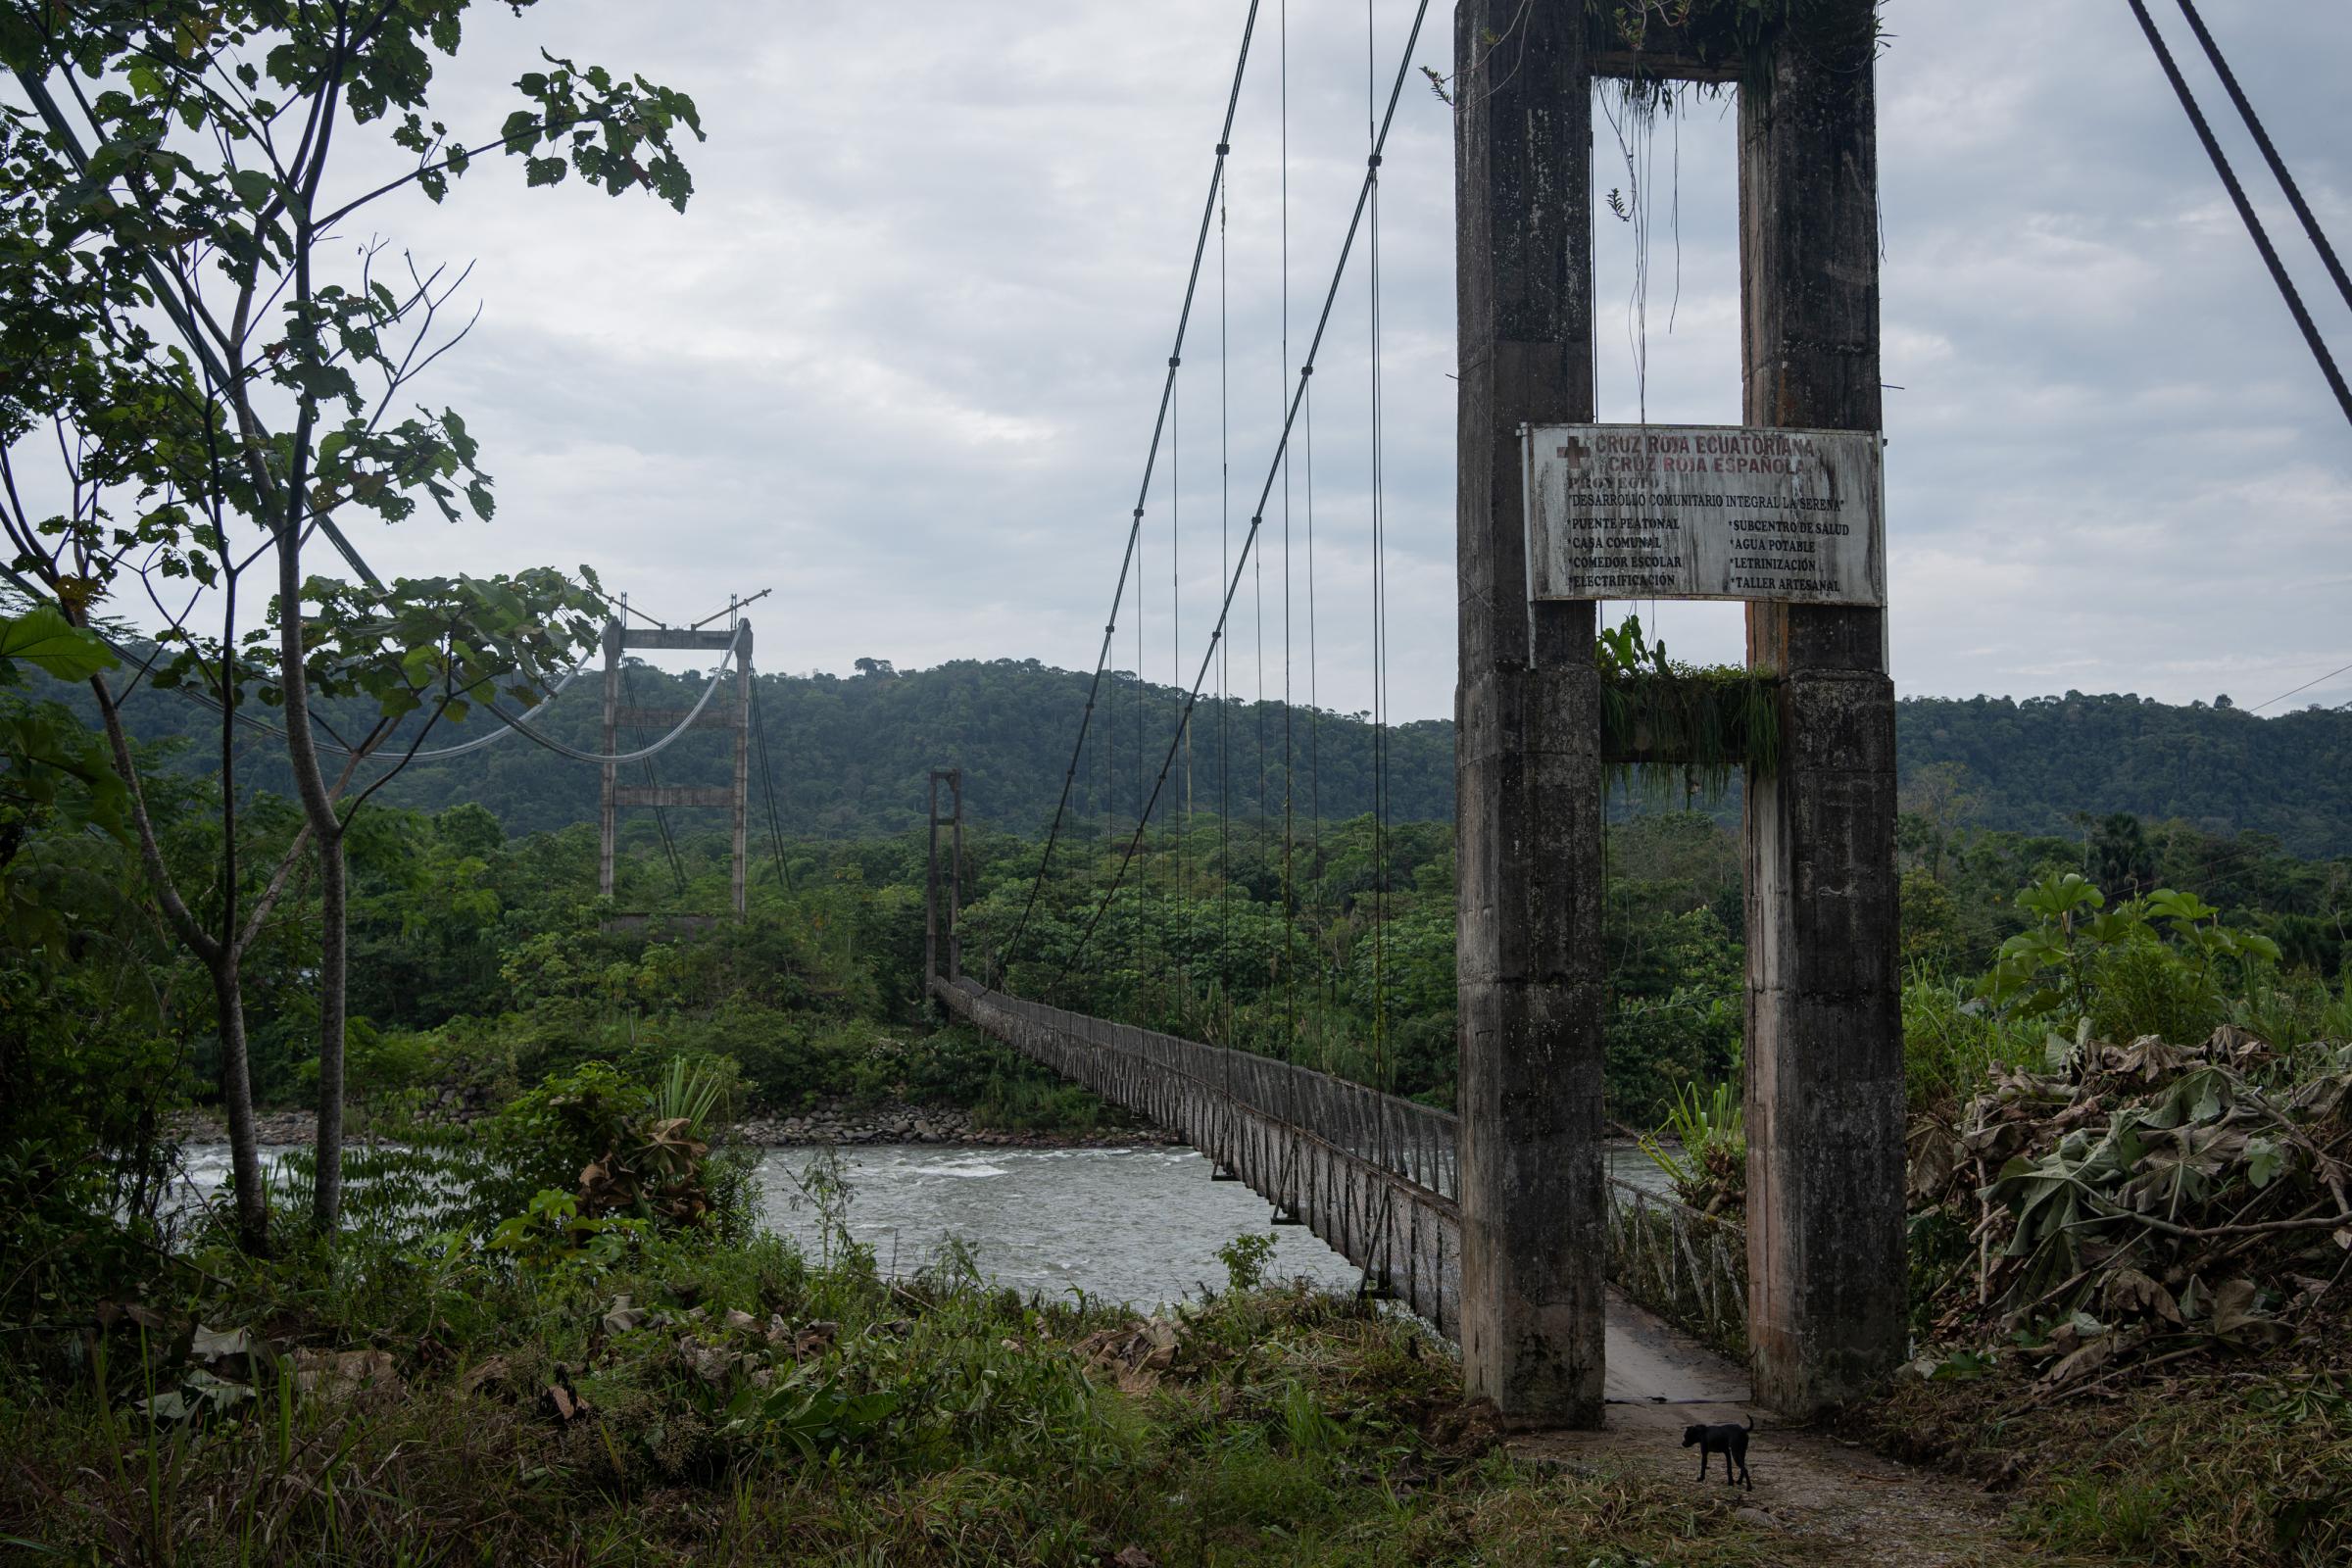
545, 1329
568, 1282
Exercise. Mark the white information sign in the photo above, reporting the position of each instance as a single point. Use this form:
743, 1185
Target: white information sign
1706, 512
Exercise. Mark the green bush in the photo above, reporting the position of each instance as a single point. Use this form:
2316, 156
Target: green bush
1703, 1147
2158, 964
546, 1136
1951, 1041
776, 1052
2142, 987
86, 1092
1035, 1100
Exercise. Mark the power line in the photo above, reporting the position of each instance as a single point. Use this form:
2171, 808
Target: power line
523, 727
1273, 469
512, 725
2306, 686
335, 744
2245, 210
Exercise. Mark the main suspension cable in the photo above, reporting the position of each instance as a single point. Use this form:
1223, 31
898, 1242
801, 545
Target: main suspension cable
1209, 207
2269, 152
2245, 210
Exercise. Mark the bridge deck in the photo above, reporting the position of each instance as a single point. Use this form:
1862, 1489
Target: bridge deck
1372, 1175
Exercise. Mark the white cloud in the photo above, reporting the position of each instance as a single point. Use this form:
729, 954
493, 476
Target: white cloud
901, 357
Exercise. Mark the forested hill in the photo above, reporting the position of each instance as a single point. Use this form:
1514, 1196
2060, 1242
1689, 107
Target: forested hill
852, 755
2033, 765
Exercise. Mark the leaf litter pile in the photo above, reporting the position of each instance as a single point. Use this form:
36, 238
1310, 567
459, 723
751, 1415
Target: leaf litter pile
2131, 1278
2137, 1204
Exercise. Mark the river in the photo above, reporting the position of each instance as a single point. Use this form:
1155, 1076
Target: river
1136, 1224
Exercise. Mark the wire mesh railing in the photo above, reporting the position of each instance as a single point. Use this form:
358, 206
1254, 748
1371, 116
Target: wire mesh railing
1688, 1267
1407, 1139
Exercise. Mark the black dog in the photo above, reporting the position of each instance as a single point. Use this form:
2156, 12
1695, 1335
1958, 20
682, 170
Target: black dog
1728, 1440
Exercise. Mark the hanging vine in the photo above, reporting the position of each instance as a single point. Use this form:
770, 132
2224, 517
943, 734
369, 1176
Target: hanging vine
1733, 36
1666, 725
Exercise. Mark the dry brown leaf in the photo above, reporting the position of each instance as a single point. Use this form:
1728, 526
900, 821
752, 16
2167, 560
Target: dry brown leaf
2132, 1294
493, 1370
2089, 1357
338, 1374
2236, 1316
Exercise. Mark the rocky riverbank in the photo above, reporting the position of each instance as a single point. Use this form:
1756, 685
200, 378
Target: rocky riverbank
830, 1122
905, 1122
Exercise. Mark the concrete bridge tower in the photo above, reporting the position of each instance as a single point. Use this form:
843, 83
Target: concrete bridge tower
1823, 1057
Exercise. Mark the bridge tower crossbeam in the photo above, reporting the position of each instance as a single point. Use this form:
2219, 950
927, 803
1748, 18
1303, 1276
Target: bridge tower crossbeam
734, 716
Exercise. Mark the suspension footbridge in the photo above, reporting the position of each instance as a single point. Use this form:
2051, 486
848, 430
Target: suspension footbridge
1497, 1222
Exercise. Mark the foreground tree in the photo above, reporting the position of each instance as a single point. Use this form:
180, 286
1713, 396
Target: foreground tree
195, 384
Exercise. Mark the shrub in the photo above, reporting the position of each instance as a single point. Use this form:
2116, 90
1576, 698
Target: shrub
2154, 964
1703, 1148
621, 1148
1245, 1258
2142, 987
547, 1134
1951, 1041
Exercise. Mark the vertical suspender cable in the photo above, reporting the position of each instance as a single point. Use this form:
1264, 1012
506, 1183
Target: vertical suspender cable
1290, 835
768, 782
1306, 372
1216, 183
1171, 905
1314, 701
1142, 821
669, 847
1224, 570
1383, 1068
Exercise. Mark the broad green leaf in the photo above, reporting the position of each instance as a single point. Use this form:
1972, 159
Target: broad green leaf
2265, 1160
46, 640
254, 188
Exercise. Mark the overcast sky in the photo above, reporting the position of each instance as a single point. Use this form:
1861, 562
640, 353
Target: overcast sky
898, 359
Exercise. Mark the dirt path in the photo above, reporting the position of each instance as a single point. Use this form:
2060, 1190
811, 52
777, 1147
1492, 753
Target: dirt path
1832, 1501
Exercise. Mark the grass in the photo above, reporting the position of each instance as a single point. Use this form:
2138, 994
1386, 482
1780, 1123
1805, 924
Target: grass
933, 1421
1950, 1047
2245, 1460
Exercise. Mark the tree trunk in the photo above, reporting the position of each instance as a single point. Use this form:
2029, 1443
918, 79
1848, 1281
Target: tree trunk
333, 996
223, 958
236, 1091
318, 809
